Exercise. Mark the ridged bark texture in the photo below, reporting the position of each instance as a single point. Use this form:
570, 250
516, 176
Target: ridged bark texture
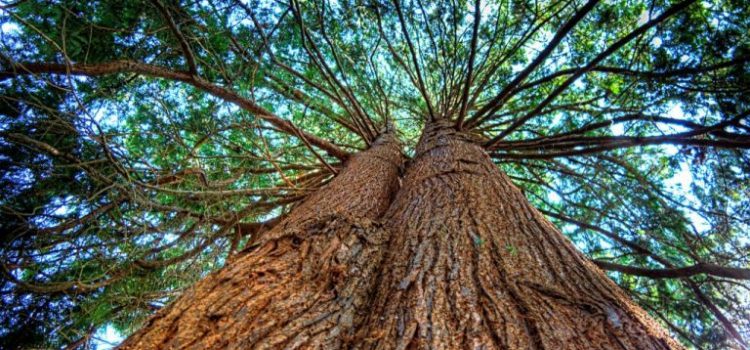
306, 283
472, 265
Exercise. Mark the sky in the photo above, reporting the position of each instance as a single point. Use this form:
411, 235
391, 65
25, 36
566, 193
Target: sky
108, 337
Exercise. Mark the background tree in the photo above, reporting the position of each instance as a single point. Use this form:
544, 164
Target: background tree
145, 143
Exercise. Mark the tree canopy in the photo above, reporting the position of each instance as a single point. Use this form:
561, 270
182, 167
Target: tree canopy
144, 143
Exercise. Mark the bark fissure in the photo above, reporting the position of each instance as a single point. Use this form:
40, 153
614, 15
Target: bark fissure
471, 264
305, 283
457, 259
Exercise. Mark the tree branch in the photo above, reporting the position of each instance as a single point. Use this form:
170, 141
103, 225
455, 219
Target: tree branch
421, 86
678, 272
124, 66
728, 326
470, 70
637, 73
606, 53
180, 37
495, 104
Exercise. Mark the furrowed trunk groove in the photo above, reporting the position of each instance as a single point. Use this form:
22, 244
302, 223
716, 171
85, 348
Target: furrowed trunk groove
306, 282
472, 265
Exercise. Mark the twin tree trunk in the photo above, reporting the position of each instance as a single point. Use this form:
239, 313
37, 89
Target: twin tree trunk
457, 260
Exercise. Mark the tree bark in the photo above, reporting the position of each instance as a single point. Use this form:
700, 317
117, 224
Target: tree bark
305, 284
463, 262
472, 265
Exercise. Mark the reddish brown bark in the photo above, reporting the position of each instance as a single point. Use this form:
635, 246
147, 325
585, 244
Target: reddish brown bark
472, 265
307, 280
463, 262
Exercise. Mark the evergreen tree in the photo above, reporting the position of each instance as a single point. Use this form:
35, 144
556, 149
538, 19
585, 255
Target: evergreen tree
375, 174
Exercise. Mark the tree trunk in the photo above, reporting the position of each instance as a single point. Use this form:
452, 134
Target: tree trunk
472, 265
305, 284
464, 262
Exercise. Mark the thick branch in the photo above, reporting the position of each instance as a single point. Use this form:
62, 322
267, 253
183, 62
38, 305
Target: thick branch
498, 100
421, 86
189, 57
679, 72
728, 326
470, 69
630, 142
571, 144
599, 58
123, 66
679, 272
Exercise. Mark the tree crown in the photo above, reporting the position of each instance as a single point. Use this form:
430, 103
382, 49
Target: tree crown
143, 143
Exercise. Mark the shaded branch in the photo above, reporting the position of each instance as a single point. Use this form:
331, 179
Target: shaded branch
726, 323
186, 51
679, 272
470, 69
421, 86
128, 66
572, 145
495, 104
642, 74
593, 63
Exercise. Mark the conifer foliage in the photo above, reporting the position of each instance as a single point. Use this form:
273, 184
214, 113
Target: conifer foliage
375, 173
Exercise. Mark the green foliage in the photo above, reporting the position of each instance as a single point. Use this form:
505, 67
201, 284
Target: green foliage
120, 190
